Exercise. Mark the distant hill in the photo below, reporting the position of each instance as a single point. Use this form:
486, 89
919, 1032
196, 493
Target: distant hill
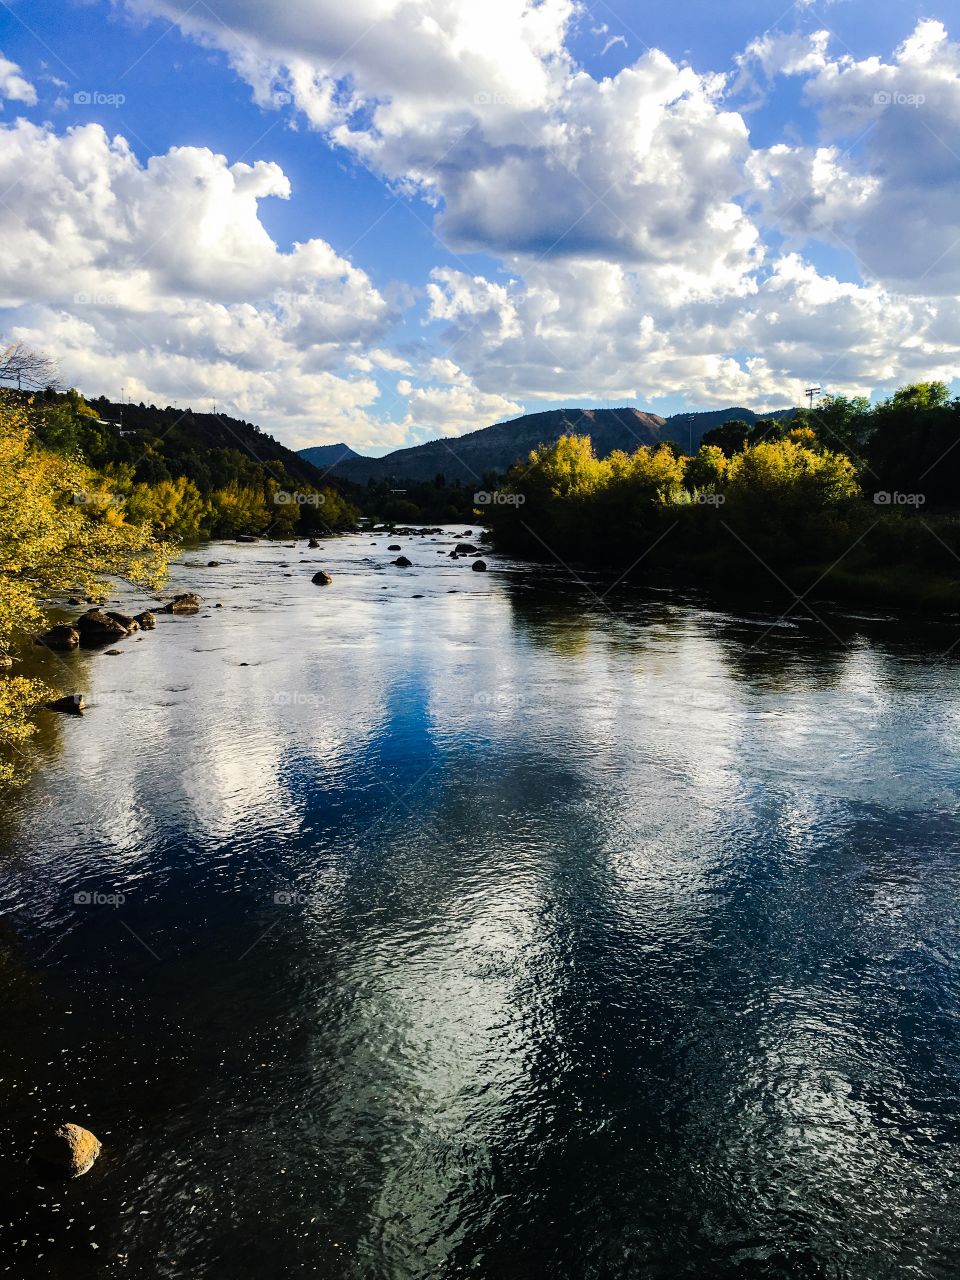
466, 459
326, 456
212, 449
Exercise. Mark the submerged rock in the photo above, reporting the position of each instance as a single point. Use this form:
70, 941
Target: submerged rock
479, 565
394, 546
213, 564
313, 544
68, 1148
246, 537
403, 562
62, 637
466, 549
71, 704
147, 620
321, 578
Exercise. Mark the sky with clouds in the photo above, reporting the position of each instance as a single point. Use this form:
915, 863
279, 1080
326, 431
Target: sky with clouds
391, 220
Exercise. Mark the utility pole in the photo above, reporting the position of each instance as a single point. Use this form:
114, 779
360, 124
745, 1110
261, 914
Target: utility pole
811, 392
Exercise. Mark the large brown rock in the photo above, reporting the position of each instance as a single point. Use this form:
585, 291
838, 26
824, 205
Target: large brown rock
147, 620
321, 578
69, 1148
97, 627
62, 637
125, 619
185, 602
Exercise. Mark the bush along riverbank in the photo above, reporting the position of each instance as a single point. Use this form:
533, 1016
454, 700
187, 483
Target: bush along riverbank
848, 501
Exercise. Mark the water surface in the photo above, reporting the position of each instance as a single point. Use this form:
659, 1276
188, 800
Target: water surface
492, 925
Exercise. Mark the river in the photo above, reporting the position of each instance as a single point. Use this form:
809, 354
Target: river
440, 923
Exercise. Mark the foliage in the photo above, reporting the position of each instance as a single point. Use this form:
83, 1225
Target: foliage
61, 528
842, 494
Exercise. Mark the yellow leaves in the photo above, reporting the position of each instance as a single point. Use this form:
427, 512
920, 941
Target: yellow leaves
240, 509
785, 468
175, 507
61, 527
19, 699
571, 469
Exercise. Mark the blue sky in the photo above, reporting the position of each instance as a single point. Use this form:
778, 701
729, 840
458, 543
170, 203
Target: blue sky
416, 217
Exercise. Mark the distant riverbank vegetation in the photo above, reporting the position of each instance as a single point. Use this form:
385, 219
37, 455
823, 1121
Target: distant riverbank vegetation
846, 500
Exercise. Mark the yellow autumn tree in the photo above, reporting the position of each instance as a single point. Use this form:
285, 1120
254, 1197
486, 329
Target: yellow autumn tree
174, 507
61, 527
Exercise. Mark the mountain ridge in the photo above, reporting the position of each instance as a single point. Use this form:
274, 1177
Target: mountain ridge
468, 458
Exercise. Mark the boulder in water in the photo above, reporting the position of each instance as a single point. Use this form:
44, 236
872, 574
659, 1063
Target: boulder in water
479, 566
321, 578
61, 637
97, 627
68, 1148
403, 562
71, 704
125, 620
147, 620
313, 544
185, 602
394, 546
246, 537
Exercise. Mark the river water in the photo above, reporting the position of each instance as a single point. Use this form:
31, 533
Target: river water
499, 925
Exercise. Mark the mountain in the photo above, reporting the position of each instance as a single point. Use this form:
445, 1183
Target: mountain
467, 458
326, 456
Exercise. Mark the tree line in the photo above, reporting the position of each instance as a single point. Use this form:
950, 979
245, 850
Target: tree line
858, 500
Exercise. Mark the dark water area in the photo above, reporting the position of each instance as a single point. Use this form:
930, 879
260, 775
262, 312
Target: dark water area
487, 925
